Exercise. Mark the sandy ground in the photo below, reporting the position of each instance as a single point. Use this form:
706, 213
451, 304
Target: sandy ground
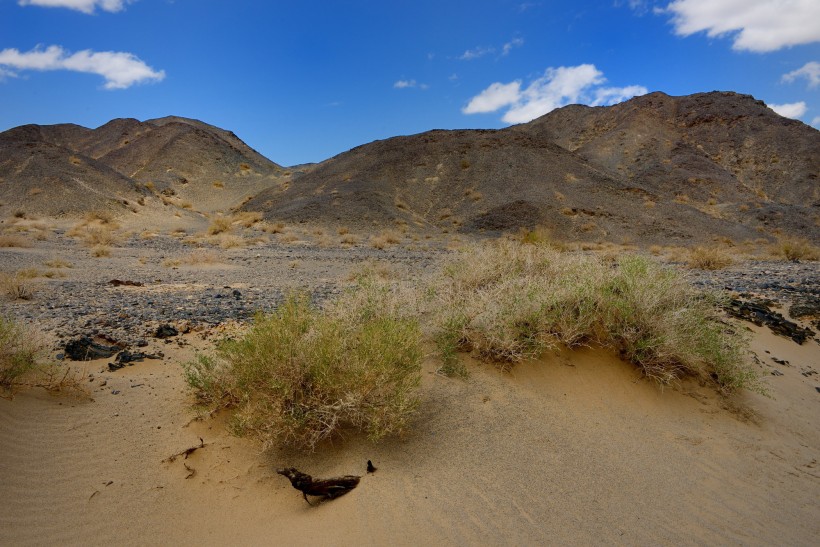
574, 449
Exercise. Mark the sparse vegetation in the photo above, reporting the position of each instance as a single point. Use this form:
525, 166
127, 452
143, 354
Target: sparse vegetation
101, 251
98, 229
14, 241
301, 374
709, 258
246, 219
219, 225
793, 248
508, 302
19, 351
16, 286
194, 258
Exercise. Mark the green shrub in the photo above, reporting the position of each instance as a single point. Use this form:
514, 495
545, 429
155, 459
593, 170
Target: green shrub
300, 374
509, 302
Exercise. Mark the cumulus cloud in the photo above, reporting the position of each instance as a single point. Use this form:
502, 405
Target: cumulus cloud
755, 25
120, 70
85, 6
816, 121
496, 96
790, 110
404, 84
556, 88
810, 71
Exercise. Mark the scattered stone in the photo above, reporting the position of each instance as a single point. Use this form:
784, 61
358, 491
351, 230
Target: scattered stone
127, 358
120, 283
759, 313
85, 349
781, 361
165, 331
776, 372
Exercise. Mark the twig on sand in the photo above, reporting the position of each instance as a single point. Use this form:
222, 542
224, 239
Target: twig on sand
191, 471
185, 453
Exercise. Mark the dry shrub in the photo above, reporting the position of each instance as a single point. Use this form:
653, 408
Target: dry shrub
14, 241
227, 241
794, 248
509, 302
246, 219
98, 228
343, 231
219, 225
275, 228
16, 286
101, 251
301, 375
288, 237
349, 240
19, 352
709, 258
21, 349
194, 258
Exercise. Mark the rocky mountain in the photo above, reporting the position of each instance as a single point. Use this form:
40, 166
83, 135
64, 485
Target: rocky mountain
173, 161
654, 169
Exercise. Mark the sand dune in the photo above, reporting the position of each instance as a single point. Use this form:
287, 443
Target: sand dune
576, 448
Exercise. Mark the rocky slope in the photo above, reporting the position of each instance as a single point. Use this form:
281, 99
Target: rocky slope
67, 169
656, 169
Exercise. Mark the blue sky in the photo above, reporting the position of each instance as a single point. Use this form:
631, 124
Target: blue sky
302, 81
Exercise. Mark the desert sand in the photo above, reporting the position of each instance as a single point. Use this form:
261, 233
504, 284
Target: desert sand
576, 448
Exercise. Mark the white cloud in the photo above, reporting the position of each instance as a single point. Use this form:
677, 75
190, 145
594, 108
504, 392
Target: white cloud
556, 88
120, 70
607, 96
404, 84
512, 44
755, 25
85, 6
790, 110
476, 53
816, 121
810, 71
496, 96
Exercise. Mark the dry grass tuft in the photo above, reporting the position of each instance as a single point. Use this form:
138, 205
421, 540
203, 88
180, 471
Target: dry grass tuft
101, 251
219, 225
508, 302
709, 258
794, 248
21, 349
195, 258
246, 219
348, 240
14, 241
16, 286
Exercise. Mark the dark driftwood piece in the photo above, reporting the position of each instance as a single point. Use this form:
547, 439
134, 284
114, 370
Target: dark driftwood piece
325, 488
